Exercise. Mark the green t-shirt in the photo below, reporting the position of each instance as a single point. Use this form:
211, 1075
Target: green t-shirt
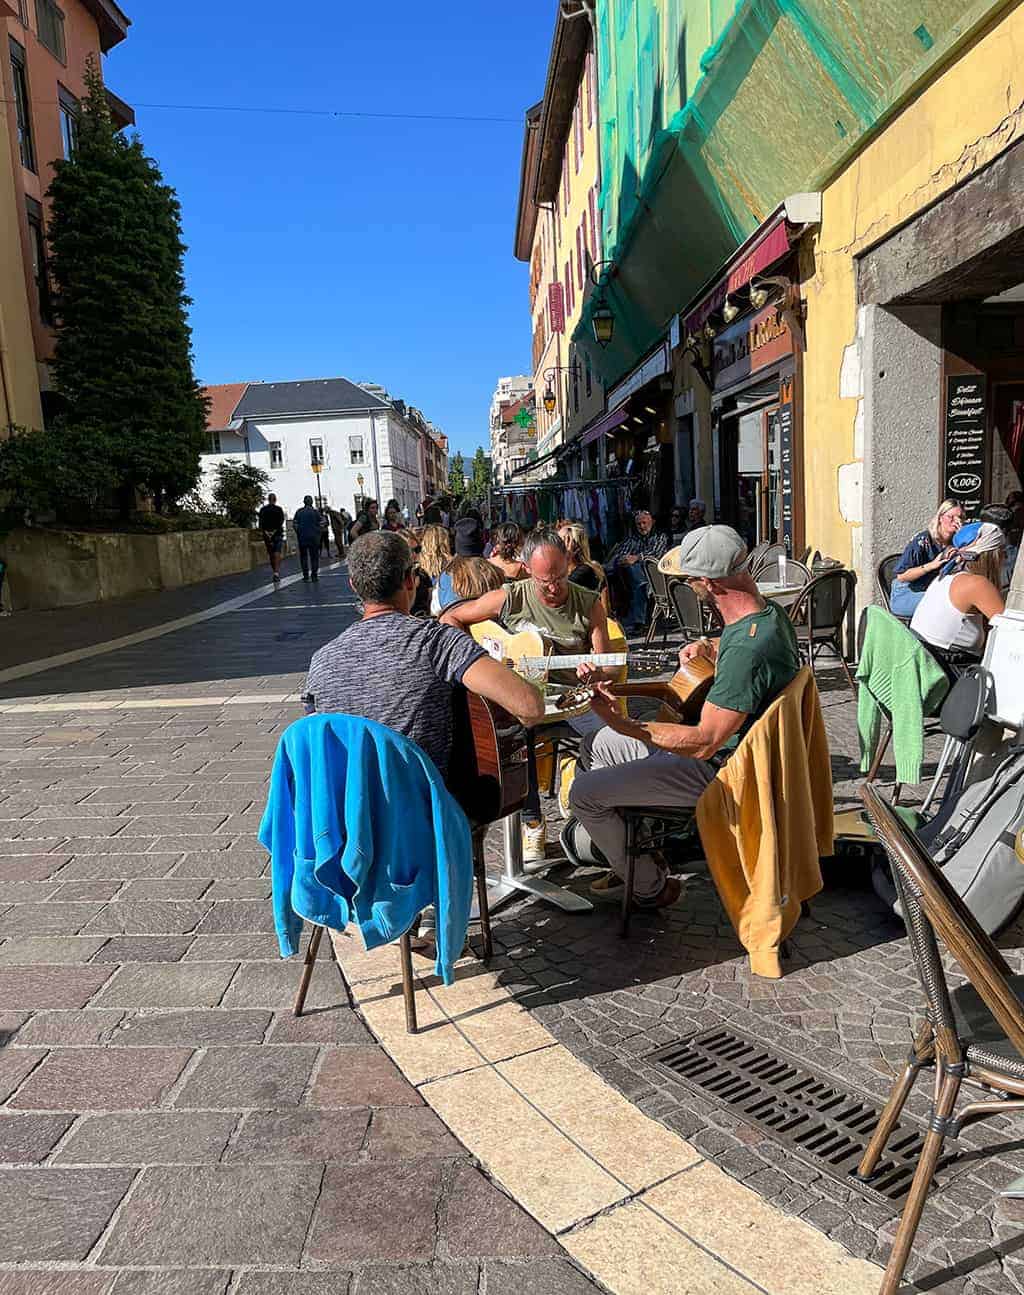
565, 630
757, 658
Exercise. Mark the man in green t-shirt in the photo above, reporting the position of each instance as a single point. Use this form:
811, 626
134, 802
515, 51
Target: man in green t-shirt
632, 763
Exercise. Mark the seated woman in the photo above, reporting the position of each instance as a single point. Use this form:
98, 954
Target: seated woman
958, 604
466, 578
923, 558
507, 541
582, 570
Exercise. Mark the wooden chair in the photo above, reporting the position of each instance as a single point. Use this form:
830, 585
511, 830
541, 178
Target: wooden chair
972, 1035
659, 608
405, 943
819, 615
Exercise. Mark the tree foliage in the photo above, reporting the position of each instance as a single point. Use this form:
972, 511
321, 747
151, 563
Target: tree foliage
66, 473
238, 490
480, 475
123, 360
457, 476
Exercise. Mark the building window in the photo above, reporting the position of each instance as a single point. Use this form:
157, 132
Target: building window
67, 106
316, 451
20, 6
215, 443
22, 111
40, 273
355, 449
50, 26
276, 454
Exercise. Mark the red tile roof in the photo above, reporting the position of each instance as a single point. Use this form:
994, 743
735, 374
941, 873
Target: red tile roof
223, 402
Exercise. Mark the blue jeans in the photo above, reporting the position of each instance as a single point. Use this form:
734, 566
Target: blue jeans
902, 599
636, 581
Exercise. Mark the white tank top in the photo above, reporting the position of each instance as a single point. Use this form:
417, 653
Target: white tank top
938, 622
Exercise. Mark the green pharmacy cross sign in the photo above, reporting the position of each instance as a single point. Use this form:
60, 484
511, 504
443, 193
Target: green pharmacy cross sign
524, 418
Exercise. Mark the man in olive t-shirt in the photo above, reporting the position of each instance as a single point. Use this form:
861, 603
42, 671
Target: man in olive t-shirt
632, 763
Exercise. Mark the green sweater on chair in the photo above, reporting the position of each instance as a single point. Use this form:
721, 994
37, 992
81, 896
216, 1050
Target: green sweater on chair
898, 676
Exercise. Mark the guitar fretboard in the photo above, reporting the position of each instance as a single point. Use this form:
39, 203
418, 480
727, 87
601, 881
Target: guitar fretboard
599, 659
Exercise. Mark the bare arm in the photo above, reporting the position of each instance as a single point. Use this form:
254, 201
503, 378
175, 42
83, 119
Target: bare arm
976, 594
486, 608
599, 640
701, 740
499, 684
915, 573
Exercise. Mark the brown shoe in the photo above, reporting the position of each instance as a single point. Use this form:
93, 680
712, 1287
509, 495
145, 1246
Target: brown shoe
665, 898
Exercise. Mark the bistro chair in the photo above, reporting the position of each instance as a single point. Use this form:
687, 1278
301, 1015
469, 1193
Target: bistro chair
884, 578
797, 574
648, 828
688, 609
763, 556
659, 608
819, 615
972, 1035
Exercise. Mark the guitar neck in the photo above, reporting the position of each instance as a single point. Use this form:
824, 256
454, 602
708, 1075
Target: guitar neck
599, 659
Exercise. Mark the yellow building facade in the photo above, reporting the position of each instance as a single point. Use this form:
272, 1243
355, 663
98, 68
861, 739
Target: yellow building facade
881, 350
19, 383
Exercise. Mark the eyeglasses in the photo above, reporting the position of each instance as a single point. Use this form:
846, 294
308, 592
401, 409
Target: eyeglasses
552, 584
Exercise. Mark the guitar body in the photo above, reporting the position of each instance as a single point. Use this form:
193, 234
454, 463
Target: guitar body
682, 696
487, 771
503, 645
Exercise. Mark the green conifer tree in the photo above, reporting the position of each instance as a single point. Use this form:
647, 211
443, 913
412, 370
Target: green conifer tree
480, 475
123, 361
457, 476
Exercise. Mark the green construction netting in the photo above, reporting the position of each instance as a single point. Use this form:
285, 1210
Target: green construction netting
713, 111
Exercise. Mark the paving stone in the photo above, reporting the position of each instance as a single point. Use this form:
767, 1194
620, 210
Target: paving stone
165, 888
11, 849
122, 866
143, 948
15, 1065
405, 1132
550, 1277
139, 794
27, 1139
97, 1079
280, 1136
88, 892
274, 984
234, 917
195, 984
193, 1029
361, 1077
35, 987
234, 948
169, 825
334, 1282
128, 845
24, 950
171, 1281
376, 1211
240, 888
222, 864
53, 918
154, 917
417, 1279
243, 1078
339, 1025
71, 826
53, 1028
156, 1138
27, 892
32, 867
56, 1213
55, 1281
215, 1215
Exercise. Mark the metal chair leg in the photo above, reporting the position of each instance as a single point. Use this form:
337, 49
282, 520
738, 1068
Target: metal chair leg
554, 766
307, 970
846, 668
408, 986
945, 759
481, 895
921, 1055
627, 894
880, 750
925, 1172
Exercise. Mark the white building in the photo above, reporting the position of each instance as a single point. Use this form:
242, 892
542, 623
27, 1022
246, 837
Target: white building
364, 443
511, 442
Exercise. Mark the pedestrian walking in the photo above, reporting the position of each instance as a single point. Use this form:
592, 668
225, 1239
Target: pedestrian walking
325, 533
271, 523
306, 524
340, 522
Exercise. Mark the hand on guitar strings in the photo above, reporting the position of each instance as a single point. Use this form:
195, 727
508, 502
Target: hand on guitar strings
602, 703
590, 674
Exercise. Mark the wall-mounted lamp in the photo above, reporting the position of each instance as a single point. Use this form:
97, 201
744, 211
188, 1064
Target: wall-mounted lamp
758, 297
709, 331
693, 350
729, 311
548, 399
603, 322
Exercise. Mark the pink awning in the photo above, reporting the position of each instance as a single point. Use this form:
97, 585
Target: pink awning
606, 423
761, 250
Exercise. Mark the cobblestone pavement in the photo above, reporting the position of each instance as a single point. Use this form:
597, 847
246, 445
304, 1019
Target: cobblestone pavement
134, 921
166, 1125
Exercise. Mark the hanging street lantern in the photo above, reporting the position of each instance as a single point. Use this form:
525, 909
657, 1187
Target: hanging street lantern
549, 399
603, 322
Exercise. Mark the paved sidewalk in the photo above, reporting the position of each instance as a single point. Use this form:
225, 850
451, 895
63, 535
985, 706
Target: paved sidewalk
166, 1125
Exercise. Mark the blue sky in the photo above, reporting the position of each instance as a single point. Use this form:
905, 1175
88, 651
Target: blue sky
379, 250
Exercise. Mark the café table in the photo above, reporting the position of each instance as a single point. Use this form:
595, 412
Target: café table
784, 594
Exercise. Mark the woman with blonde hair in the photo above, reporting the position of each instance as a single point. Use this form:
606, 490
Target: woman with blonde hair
582, 570
435, 550
923, 558
466, 578
958, 604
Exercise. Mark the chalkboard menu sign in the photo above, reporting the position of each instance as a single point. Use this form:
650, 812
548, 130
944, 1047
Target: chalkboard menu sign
784, 424
964, 468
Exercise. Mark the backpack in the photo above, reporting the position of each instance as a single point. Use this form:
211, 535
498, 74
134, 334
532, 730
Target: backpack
974, 843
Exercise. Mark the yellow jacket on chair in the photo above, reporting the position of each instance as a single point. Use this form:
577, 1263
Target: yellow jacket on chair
766, 820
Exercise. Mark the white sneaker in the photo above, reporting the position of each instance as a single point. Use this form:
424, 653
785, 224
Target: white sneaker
535, 842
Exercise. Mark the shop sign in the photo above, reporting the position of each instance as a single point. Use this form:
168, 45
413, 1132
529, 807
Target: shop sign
964, 458
784, 427
750, 345
653, 367
556, 307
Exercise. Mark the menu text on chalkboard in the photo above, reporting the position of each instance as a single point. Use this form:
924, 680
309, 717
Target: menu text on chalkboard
965, 451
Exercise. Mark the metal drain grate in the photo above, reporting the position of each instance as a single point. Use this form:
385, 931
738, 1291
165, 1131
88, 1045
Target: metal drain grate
825, 1125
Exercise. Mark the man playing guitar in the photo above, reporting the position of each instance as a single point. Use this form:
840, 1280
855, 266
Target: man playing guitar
631, 763
566, 615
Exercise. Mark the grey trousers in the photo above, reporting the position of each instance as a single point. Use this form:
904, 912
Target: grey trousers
622, 771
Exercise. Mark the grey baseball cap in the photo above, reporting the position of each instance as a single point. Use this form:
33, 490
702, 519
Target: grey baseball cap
708, 552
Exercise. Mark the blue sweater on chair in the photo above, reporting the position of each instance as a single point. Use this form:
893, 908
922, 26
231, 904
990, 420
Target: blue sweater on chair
360, 827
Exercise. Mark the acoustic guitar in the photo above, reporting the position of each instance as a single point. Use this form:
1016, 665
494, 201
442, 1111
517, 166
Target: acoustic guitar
681, 697
487, 770
534, 657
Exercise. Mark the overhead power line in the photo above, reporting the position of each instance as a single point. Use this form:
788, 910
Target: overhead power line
327, 112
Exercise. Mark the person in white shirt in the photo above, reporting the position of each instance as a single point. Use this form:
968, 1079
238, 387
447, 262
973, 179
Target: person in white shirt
957, 606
